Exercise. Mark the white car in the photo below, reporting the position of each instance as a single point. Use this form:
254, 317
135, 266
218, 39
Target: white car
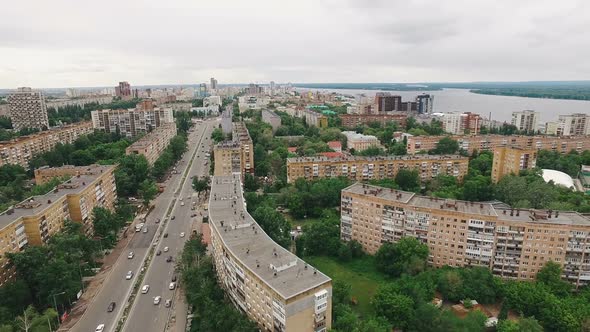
172, 286
145, 289
130, 255
182, 204
181, 234
129, 275
166, 249
99, 328
145, 229
157, 300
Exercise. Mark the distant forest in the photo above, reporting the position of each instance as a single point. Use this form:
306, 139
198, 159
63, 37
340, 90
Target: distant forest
552, 93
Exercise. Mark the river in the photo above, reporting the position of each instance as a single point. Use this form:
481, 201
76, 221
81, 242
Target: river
500, 107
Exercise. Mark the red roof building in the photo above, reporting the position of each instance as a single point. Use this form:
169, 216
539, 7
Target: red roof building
335, 145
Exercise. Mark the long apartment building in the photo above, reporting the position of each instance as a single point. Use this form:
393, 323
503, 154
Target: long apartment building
512, 243
34, 220
470, 144
275, 288
131, 122
353, 120
153, 144
512, 160
375, 168
21, 150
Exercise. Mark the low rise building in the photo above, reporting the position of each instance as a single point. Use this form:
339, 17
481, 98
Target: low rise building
81, 102
132, 122
360, 142
335, 145
375, 168
153, 144
36, 219
512, 160
512, 243
21, 150
472, 143
275, 288
272, 119
207, 110
354, 120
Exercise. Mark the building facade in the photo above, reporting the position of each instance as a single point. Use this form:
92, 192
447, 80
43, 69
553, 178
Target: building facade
226, 119
81, 102
360, 142
386, 102
472, 143
235, 156
36, 219
461, 123
21, 150
27, 109
375, 168
573, 124
525, 121
272, 119
241, 135
131, 122
425, 103
123, 90
354, 120
512, 243
512, 160
275, 288
153, 144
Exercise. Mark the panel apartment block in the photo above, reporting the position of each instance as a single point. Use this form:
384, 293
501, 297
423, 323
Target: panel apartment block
353, 120
131, 122
153, 144
34, 220
512, 243
28, 109
511, 160
21, 150
375, 168
276, 289
473, 143
240, 134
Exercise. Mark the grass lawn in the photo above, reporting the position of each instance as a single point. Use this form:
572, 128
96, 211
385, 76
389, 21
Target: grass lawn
359, 273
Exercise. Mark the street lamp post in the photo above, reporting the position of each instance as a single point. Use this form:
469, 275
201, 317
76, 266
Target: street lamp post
55, 304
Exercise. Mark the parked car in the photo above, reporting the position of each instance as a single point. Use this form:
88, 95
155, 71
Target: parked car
165, 235
99, 328
129, 275
168, 259
181, 234
145, 229
130, 255
166, 249
174, 278
158, 253
172, 286
111, 307
158, 221
157, 300
145, 289
173, 217
182, 204
168, 303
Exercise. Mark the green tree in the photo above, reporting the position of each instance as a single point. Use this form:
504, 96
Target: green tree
407, 256
550, 276
446, 145
274, 224
408, 180
148, 191
398, 309
217, 135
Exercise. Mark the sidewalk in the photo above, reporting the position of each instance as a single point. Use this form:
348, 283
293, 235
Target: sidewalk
95, 285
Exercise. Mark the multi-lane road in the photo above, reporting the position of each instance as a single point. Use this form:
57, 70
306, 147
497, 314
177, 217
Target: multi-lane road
144, 315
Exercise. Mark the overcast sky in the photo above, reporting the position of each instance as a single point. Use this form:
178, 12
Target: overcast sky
74, 43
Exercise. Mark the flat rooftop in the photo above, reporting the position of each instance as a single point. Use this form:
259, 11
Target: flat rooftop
425, 157
284, 272
494, 209
36, 204
151, 137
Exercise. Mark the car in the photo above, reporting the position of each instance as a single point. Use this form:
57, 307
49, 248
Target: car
173, 217
158, 253
157, 300
145, 289
99, 328
174, 278
181, 198
111, 307
129, 275
130, 255
181, 234
145, 229
166, 249
168, 259
168, 303
172, 286
182, 204
158, 221
193, 215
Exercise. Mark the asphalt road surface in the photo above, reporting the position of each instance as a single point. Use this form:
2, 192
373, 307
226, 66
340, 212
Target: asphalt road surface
144, 315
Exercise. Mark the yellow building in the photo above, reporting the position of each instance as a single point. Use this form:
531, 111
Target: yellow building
511, 160
512, 243
21, 150
276, 289
375, 168
228, 158
36, 219
153, 144
474, 143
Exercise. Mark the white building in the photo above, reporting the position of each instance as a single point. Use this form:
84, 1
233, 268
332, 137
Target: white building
272, 119
576, 124
360, 142
27, 109
209, 110
452, 123
212, 101
525, 120
226, 120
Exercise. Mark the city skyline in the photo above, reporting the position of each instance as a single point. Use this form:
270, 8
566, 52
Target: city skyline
326, 41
